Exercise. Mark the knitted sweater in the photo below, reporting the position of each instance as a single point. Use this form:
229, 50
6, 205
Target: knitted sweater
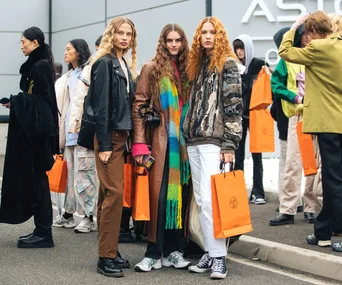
215, 107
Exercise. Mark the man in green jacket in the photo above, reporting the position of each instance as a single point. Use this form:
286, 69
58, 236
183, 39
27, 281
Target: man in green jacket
322, 113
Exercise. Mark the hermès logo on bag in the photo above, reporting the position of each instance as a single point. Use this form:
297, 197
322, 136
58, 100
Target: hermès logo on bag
233, 202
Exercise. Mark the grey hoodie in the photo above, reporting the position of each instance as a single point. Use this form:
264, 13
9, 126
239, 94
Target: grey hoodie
249, 49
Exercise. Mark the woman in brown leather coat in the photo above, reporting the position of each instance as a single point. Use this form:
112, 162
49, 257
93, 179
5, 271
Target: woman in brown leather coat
165, 78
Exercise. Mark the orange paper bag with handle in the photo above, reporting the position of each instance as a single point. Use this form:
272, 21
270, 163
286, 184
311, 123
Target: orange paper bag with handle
231, 213
141, 206
128, 195
261, 96
307, 151
58, 175
261, 131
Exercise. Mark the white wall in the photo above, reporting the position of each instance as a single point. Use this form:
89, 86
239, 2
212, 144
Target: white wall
149, 18
15, 17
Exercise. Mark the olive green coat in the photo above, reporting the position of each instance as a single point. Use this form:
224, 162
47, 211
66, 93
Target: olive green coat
322, 58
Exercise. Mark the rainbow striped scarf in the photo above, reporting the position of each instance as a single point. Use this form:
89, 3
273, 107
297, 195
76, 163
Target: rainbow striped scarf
179, 170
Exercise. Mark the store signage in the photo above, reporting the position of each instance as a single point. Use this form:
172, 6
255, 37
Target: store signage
259, 8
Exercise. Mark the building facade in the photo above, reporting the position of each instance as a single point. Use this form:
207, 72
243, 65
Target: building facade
64, 20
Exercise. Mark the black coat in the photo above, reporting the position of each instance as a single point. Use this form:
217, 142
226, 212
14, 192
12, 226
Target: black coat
32, 138
247, 84
109, 99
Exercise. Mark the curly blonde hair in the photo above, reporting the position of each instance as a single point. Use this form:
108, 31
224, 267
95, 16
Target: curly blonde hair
337, 23
222, 49
163, 64
107, 43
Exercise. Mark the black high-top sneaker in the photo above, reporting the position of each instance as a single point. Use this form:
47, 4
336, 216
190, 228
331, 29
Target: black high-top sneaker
218, 268
204, 264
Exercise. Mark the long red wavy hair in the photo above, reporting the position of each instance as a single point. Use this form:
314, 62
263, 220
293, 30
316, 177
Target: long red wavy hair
222, 49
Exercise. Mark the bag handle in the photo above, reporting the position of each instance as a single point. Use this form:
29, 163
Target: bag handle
150, 108
223, 168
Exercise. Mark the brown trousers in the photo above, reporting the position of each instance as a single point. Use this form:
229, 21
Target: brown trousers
109, 207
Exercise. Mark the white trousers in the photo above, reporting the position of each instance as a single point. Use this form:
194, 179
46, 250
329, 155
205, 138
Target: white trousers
204, 162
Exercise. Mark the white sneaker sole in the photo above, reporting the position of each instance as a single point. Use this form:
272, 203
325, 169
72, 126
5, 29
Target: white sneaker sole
57, 226
217, 275
69, 226
139, 269
324, 243
79, 231
195, 269
167, 263
260, 203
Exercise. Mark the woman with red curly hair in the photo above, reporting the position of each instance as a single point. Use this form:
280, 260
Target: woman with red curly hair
212, 128
165, 80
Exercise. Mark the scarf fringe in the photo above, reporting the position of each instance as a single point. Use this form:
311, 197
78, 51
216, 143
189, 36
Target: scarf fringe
174, 215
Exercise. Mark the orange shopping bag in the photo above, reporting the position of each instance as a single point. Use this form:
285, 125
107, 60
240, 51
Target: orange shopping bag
141, 205
58, 175
261, 96
307, 151
231, 213
261, 131
128, 184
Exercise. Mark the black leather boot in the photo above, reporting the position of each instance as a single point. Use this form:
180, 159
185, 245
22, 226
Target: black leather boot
34, 241
121, 262
109, 267
282, 219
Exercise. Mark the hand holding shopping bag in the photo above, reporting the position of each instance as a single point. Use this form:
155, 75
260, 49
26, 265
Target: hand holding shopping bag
231, 213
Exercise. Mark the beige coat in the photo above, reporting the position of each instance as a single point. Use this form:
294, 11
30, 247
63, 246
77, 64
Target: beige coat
63, 102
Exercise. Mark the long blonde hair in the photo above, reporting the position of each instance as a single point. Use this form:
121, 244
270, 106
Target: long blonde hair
222, 49
107, 43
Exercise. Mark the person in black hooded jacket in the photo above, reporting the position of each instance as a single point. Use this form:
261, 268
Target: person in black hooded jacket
244, 49
32, 141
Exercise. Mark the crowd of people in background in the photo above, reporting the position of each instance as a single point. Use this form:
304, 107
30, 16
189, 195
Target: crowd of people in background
201, 97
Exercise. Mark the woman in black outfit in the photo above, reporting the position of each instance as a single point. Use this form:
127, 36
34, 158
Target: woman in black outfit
32, 141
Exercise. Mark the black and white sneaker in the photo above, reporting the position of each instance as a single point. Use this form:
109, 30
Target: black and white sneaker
218, 268
204, 264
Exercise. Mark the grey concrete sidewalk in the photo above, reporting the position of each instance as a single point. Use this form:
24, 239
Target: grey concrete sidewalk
286, 245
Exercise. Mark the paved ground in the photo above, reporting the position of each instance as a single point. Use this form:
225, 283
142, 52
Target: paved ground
73, 261
290, 234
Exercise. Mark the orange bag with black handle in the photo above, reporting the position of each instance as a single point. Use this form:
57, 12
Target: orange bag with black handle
230, 203
141, 206
128, 195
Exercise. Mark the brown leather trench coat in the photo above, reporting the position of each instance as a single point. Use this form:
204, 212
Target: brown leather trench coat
158, 143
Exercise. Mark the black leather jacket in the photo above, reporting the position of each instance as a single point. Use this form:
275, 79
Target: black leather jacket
109, 99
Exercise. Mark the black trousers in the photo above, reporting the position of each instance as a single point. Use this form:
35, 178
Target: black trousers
42, 210
167, 241
258, 188
330, 217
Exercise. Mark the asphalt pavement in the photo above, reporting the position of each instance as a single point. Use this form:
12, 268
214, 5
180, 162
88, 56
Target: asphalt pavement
294, 235
73, 261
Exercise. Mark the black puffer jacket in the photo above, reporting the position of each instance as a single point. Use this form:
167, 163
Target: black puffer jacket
109, 99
